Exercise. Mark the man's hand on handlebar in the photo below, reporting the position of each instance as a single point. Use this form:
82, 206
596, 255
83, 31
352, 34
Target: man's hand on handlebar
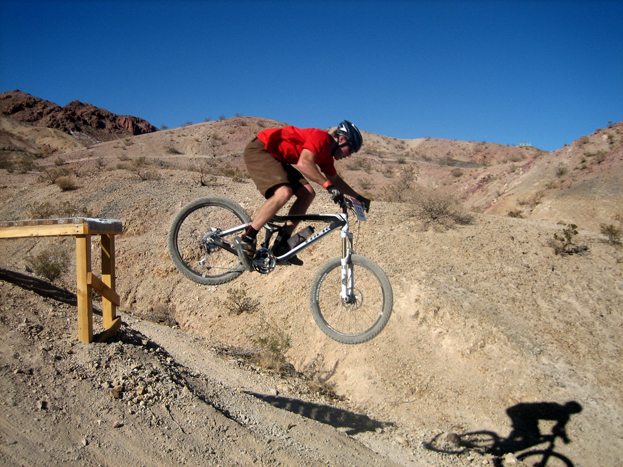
336, 195
364, 201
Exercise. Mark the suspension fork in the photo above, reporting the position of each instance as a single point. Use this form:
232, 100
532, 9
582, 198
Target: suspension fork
348, 280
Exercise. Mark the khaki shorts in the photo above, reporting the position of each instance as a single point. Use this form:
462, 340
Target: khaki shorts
267, 172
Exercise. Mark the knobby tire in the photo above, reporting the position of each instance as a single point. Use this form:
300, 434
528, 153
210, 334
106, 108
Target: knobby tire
191, 254
356, 322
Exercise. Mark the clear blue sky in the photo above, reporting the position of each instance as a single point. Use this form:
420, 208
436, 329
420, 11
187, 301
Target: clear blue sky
545, 72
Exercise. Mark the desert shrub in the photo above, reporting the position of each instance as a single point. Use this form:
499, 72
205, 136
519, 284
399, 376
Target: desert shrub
518, 213
47, 210
388, 172
49, 263
100, 164
360, 163
24, 164
456, 172
170, 149
206, 170
66, 183
612, 232
234, 173
237, 301
433, 206
51, 174
317, 377
401, 191
563, 243
141, 168
365, 183
561, 170
273, 343
161, 313
46, 150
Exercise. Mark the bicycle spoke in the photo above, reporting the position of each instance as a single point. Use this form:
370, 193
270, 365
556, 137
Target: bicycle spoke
361, 316
195, 237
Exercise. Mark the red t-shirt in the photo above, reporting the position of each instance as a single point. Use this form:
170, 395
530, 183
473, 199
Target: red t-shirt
287, 143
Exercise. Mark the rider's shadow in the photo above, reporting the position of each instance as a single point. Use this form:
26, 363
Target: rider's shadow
527, 420
533, 424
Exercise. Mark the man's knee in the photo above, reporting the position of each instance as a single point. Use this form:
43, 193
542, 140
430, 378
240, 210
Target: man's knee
282, 193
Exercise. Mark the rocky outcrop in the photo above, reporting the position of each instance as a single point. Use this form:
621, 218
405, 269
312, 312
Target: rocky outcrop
75, 118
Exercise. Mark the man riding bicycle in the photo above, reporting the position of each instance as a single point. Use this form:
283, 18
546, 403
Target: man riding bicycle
281, 161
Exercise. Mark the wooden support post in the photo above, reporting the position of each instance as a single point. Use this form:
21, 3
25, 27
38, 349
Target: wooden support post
82, 228
85, 302
109, 308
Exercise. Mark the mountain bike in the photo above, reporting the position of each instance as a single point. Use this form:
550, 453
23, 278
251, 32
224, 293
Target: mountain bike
351, 297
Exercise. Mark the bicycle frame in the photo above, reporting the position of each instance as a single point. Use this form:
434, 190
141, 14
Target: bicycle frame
262, 261
335, 221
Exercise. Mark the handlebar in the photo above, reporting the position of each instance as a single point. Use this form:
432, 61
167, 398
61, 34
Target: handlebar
346, 203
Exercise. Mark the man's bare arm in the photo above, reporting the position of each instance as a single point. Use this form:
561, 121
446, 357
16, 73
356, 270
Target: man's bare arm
307, 166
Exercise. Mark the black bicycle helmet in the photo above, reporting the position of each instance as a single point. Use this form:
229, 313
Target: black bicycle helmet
351, 133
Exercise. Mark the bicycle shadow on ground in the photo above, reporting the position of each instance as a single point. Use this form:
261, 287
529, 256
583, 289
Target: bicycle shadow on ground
337, 418
525, 436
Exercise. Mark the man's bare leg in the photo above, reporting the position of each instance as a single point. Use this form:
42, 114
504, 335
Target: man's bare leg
271, 206
304, 197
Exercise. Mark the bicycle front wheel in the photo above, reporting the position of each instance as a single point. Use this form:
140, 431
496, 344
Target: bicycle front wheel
544, 458
194, 236
364, 315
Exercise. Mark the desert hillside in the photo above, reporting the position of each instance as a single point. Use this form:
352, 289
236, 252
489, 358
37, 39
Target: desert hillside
84, 121
486, 315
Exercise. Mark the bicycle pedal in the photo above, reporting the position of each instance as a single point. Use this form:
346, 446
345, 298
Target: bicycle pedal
294, 261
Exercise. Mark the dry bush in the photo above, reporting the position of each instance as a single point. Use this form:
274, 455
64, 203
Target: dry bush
360, 163
563, 243
49, 263
273, 343
161, 313
142, 169
47, 210
317, 377
612, 232
52, 174
66, 183
172, 150
401, 191
365, 183
206, 169
434, 206
561, 170
238, 302
234, 173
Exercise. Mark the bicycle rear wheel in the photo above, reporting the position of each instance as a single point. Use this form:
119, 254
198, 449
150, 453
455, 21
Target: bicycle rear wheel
369, 309
192, 236
453, 443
